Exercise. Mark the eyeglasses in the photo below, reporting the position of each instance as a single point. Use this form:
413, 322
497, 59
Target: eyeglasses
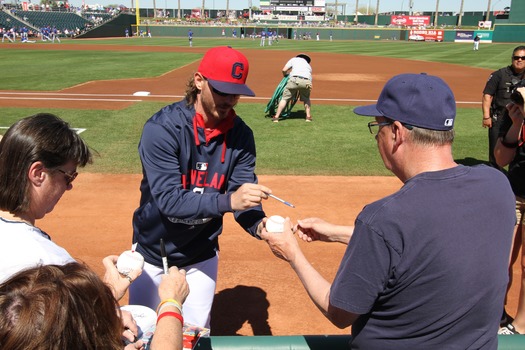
516, 58
372, 126
70, 177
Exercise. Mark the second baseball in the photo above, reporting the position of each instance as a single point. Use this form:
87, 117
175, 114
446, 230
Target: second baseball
275, 224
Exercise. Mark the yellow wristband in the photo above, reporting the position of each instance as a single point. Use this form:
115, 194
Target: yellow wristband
177, 304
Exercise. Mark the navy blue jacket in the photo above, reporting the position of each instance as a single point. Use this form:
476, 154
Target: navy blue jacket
187, 183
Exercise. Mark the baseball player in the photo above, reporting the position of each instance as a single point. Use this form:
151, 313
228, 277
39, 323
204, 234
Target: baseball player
198, 162
190, 37
300, 81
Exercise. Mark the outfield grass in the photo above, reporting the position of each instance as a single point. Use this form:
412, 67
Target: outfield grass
336, 143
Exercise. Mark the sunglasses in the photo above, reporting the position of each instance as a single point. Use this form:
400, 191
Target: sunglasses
70, 177
516, 58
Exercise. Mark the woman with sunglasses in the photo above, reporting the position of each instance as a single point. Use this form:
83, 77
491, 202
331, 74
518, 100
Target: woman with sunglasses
39, 156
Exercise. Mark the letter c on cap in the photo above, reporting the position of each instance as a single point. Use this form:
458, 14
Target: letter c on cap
237, 70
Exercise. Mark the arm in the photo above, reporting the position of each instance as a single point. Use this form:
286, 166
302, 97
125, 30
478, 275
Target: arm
168, 334
506, 146
486, 102
315, 229
119, 284
286, 247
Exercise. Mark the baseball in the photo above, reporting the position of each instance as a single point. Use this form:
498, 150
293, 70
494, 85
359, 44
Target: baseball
275, 224
129, 261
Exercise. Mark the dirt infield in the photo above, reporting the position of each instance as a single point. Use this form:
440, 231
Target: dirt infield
337, 79
257, 294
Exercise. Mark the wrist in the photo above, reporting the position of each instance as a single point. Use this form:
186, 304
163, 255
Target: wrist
170, 314
485, 118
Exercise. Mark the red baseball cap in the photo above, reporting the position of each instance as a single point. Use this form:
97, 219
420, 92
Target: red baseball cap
226, 70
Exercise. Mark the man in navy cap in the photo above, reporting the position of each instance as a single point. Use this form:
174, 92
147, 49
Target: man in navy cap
198, 163
426, 267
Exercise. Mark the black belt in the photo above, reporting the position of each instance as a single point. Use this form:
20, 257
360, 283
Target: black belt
297, 76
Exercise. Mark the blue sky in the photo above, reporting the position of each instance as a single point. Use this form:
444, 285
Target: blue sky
385, 5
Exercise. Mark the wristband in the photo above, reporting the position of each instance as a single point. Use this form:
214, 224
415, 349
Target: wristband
485, 118
177, 304
171, 314
169, 303
506, 144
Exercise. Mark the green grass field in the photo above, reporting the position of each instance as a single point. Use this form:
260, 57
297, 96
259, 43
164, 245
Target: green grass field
337, 143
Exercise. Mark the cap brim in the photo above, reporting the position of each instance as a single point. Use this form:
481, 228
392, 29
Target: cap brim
368, 111
231, 88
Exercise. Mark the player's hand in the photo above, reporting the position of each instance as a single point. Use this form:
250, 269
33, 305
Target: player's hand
315, 229
118, 283
249, 196
174, 285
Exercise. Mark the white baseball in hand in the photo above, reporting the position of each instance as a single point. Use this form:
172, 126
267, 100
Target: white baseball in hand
275, 224
128, 261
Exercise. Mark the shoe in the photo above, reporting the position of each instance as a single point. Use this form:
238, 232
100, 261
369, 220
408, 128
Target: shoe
505, 319
275, 120
308, 119
508, 330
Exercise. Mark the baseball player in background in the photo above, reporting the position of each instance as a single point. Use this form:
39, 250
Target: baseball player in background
198, 162
300, 81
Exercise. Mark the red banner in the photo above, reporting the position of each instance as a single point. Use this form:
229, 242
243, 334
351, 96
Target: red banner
196, 13
410, 20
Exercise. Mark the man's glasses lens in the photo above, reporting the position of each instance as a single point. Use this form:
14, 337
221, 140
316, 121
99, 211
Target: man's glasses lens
69, 177
373, 127
515, 58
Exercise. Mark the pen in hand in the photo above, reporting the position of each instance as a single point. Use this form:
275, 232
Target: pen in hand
164, 257
281, 200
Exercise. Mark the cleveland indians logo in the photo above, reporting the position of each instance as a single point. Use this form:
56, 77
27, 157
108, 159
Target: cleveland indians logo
237, 70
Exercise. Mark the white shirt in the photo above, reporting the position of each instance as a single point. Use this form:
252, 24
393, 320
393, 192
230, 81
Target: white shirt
24, 246
300, 68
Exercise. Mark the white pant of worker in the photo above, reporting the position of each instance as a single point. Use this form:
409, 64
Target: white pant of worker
202, 279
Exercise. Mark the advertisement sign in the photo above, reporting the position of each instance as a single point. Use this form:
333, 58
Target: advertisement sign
468, 36
410, 20
426, 35
485, 24
196, 13
292, 2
